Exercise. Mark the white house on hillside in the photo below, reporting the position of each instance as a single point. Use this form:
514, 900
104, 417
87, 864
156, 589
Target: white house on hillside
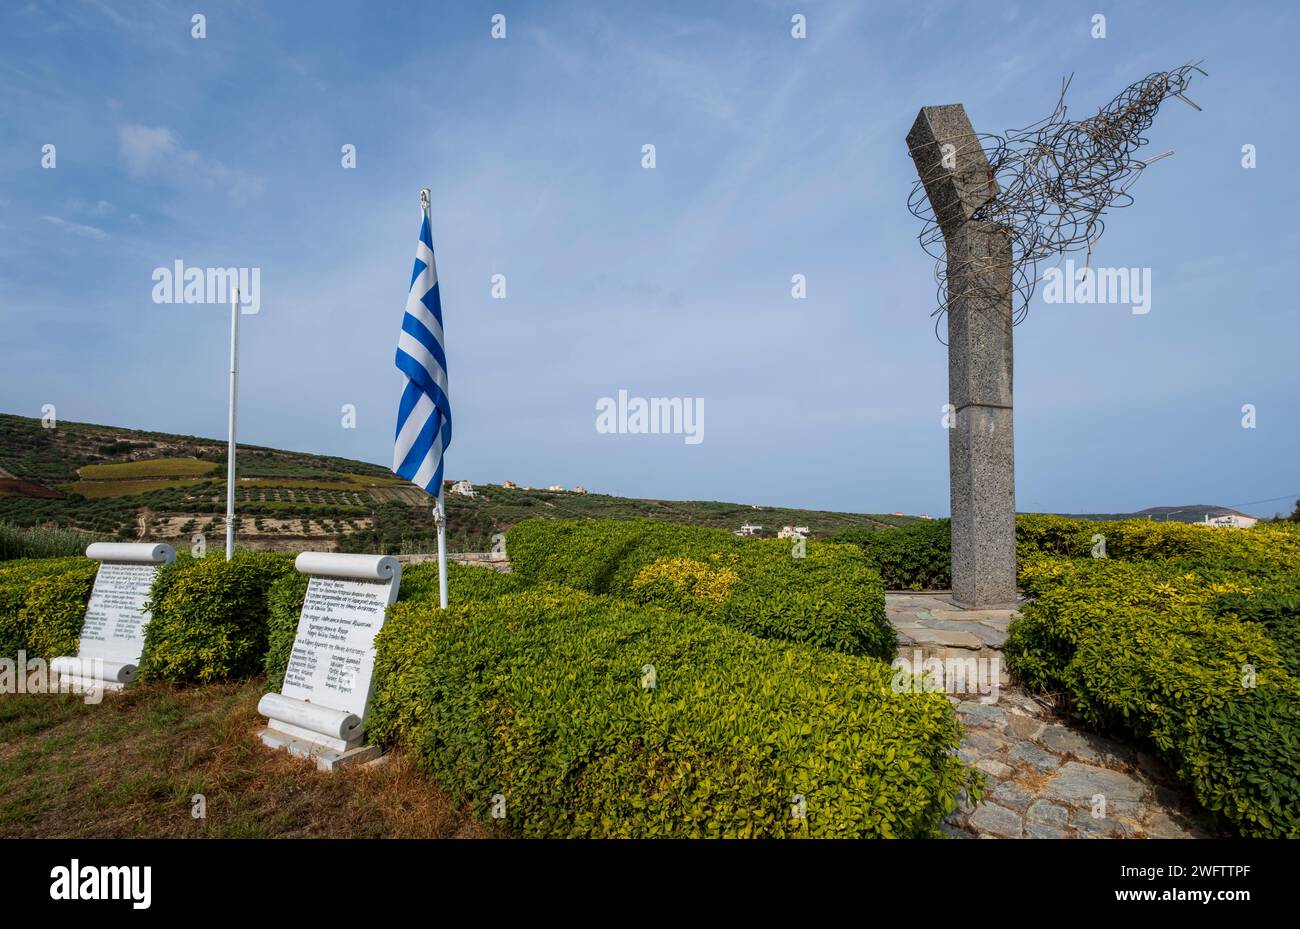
464, 488
748, 529
1230, 521
793, 532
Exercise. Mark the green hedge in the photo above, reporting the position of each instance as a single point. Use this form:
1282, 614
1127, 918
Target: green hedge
538, 696
55, 606
419, 583
283, 604
210, 617
1277, 611
830, 597
1264, 549
917, 556
16, 581
1155, 648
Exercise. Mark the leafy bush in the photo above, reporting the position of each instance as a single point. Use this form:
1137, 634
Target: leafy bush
55, 607
1263, 548
830, 597
1139, 645
284, 605
419, 584
1277, 611
541, 697
465, 583
605, 555
210, 617
16, 578
917, 556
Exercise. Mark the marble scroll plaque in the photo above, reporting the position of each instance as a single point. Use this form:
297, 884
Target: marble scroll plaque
112, 633
320, 711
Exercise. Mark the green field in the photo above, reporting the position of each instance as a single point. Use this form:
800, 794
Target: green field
151, 467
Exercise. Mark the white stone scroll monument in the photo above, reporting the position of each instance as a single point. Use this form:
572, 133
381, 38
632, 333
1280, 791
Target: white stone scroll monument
112, 634
320, 712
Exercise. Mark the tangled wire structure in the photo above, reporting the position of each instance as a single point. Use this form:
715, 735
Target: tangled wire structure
1055, 180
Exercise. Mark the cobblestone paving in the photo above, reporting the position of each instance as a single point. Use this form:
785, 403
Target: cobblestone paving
1045, 777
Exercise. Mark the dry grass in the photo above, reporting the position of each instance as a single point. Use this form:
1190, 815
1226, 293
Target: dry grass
130, 766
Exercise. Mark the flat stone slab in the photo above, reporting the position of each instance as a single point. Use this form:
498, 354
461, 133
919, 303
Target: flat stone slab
995, 820
933, 620
1080, 783
945, 637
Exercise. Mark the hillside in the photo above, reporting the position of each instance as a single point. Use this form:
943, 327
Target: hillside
129, 484
1186, 513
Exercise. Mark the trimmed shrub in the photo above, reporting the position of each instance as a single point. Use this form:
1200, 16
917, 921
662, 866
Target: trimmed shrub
210, 617
831, 597
1276, 611
1139, 645
917, 556
465, 583
55, 607
284, 606
16, 577
604, 556
419, 583
1263, 549
541, 696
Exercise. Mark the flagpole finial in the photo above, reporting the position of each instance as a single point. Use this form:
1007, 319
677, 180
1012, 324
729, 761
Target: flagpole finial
424, 196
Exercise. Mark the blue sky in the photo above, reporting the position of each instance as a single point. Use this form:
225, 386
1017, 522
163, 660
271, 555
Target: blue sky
775, 156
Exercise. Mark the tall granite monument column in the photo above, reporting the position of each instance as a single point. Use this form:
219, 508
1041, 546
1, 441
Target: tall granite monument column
981, 455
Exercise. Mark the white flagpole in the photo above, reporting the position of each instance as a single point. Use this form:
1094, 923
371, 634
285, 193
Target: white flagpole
230, 451
439, 515
439, 511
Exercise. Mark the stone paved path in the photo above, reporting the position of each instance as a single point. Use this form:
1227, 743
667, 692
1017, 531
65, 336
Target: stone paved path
1045, 778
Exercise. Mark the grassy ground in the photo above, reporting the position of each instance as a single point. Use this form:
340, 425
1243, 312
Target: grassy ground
131, 765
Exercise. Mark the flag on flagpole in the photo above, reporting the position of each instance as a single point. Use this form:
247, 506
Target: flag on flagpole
424, 414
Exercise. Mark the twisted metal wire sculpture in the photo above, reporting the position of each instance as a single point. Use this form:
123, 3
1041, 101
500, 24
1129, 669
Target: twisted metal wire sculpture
1055, 179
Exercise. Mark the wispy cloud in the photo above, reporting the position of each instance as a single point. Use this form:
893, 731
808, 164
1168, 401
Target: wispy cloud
156, 153
90, 232
145, 148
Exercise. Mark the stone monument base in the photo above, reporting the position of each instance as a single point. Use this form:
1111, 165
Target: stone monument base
985, 606
326, 758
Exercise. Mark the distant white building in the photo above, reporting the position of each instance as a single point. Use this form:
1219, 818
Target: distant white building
464, 488
1230, 521
793, 532
748, 529
579, 490
510, 485
559, 487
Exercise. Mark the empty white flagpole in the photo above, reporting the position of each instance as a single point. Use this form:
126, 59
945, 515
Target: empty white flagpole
439, 511
230, 452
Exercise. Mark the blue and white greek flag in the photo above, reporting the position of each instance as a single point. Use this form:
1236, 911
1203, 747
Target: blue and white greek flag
424, 415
